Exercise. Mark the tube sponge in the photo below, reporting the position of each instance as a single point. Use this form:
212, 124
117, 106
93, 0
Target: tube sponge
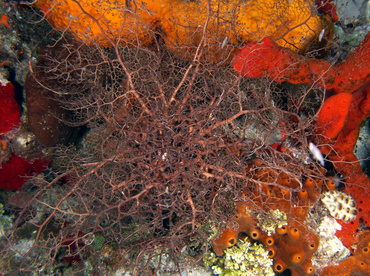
297, 258
294, 234
282, 230
279, 266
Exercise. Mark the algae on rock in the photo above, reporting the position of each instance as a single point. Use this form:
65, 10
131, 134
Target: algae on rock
244, 258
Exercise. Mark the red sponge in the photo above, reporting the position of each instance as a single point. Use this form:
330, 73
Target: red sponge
17, 171
9, 111
333, 115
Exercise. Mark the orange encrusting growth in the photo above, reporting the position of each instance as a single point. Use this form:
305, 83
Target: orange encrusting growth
4, 20
184, 25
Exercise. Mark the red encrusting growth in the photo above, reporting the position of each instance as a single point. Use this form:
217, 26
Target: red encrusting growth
267, 59
9, 111
357, 264
347, 234
341, 153
15, 172
333, 115
73, 244
327, 7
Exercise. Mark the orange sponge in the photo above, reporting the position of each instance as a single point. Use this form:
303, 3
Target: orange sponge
222, 26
